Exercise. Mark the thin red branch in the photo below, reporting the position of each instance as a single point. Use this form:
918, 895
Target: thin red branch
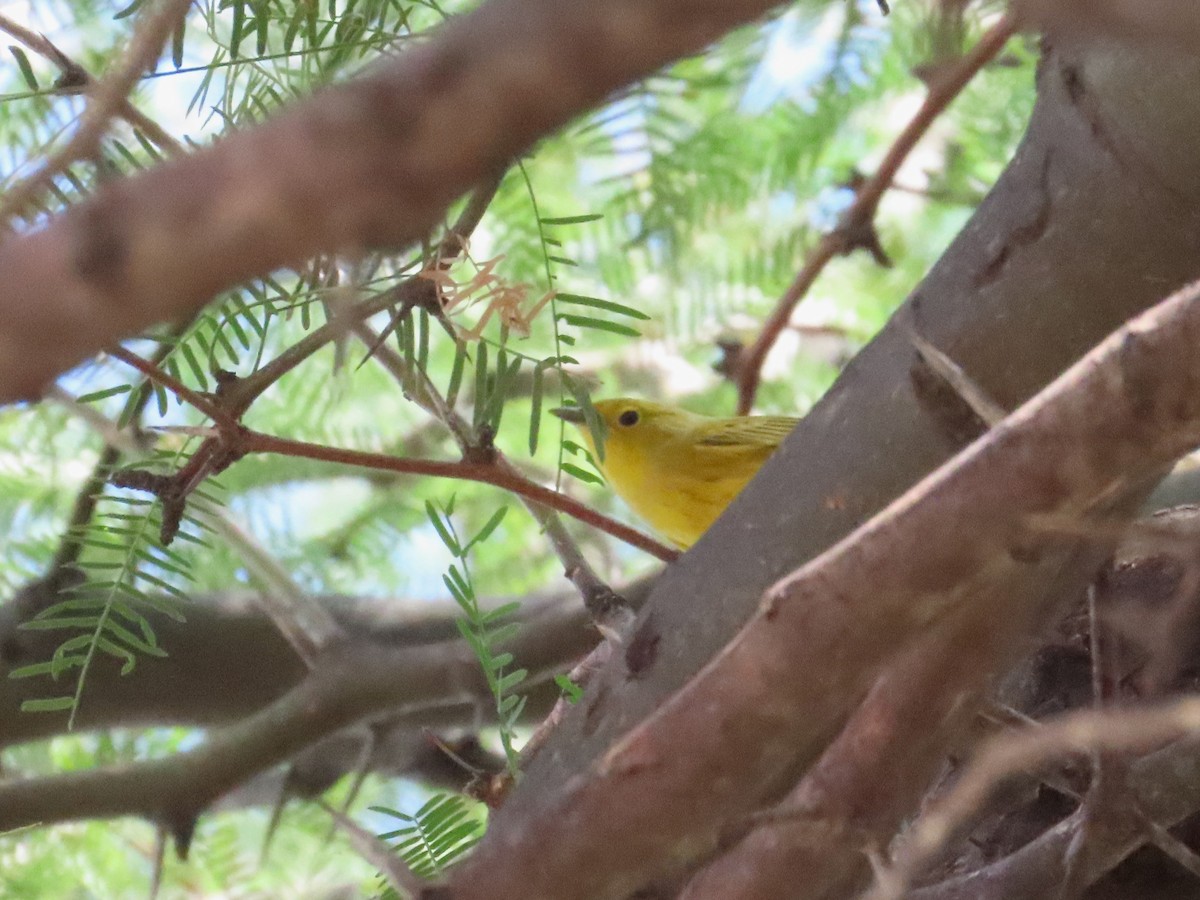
181, 390
482, 472
855, 228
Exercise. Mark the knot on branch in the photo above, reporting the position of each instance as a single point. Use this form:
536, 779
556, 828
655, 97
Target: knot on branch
212, 457
483, 452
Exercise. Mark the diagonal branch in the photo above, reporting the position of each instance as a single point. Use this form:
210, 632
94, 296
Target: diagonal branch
856, 228
956, 545
106, 98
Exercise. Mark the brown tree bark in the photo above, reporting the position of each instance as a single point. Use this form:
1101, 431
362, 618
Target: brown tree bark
1094, 220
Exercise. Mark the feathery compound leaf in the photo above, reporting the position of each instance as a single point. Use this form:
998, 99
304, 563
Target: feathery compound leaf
438, 835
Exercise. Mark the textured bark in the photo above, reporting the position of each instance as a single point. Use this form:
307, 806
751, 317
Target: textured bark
1094, 220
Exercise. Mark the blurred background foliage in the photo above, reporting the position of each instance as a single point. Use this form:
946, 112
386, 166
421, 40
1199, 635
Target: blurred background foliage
685, 206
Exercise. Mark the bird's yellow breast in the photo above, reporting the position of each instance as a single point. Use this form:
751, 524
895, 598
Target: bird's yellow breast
676, 469
678, 485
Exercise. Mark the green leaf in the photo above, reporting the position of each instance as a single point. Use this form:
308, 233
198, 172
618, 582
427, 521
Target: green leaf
481, 383
456, 374
129, 10
491, 525
24, 66
177, 43
607, 305
503, 633
501, 612
570, 690
239, 24
106, 393
598, 324
511, 680
582, 474
535, 409
571, 220
48, 704
443, 529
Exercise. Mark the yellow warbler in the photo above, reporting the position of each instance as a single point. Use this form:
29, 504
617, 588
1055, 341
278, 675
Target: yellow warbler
676, 469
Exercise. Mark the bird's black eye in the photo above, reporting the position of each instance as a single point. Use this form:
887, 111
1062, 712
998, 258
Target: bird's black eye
629, 417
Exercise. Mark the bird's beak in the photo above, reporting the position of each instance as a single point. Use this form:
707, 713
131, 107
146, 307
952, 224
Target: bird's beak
572, 414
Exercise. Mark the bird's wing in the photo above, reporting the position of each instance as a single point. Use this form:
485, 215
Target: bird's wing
753, 431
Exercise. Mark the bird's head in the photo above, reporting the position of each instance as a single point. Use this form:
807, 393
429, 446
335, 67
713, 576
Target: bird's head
629, 425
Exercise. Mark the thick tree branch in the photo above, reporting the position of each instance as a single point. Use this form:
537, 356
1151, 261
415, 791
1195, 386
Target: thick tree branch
956, 545
1161, 23
227, 660
351, 682
1018, 296
373, 163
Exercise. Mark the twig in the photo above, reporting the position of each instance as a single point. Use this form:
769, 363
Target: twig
377, 853
301, 619
116, 442
1086, 731
1173, 847
483, 472
155, 373
107, 97
855, 228
74, 78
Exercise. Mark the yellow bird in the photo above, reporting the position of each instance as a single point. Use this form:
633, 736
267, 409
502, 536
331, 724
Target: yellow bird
676, 469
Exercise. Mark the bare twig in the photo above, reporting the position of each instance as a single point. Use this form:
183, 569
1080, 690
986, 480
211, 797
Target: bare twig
377, 853
1083, 732
467, 470
856, 229
299, 616
182, 391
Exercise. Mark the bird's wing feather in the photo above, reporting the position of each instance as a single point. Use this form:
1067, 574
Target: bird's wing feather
762, 431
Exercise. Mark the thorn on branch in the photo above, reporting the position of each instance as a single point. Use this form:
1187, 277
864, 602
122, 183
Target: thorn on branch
857, 227
74, 77
953, 415
731, 359
183, 829
417, 293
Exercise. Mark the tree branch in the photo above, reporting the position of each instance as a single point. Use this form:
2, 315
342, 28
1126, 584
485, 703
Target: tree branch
372, 163
955, 545
106, 98
351, 681
856, 228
